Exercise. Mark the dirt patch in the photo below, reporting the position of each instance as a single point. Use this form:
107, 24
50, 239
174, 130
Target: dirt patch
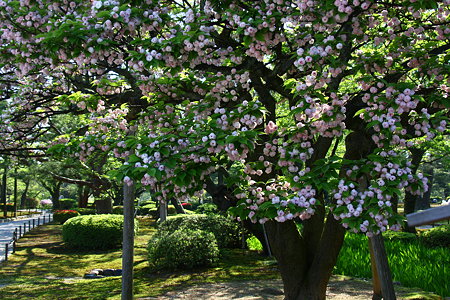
339, 288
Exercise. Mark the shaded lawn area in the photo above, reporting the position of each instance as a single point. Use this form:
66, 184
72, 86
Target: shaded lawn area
43, 268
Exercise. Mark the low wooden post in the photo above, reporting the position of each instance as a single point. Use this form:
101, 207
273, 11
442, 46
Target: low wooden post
20, 231
14, 241
382, 278
39, 220
25, 228
128, 242
34, 225
6, 251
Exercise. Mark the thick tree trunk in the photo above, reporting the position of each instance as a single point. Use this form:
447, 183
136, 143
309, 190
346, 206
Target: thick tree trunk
305, 272
56, 193
23, 197
83, 196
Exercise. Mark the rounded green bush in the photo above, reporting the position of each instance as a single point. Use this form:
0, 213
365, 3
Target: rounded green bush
171, 210
406, 237
226, 231
437, 237
117, 210
93, 231
61, 216
183, 249
207, 209
85, 211
144, 210
153, 212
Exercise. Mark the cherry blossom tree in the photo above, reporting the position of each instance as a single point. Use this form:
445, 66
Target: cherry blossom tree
262, 93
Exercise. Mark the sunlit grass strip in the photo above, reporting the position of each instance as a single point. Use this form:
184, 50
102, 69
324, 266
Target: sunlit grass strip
412, 264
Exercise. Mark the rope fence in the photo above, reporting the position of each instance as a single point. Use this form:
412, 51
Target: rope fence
10, 247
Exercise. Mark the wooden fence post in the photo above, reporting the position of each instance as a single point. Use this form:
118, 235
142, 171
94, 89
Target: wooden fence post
128, 242
6, 251
382, 278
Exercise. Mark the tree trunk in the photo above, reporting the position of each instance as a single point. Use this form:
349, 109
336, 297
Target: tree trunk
424, 201
83, 196
23, 197
177, 205
3, 190
410, 199
15, 194
162, 211
306, 265
56, 193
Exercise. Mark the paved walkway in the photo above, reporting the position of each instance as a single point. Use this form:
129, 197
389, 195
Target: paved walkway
7, 229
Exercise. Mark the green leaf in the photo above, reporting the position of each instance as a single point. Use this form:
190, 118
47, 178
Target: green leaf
362, 110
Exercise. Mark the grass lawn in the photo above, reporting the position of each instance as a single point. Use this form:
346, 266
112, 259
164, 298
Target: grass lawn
43, 268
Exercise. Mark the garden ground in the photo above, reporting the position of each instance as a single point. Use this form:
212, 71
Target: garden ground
43, 268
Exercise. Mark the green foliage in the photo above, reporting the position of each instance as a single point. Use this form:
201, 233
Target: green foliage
254, 244
171, 210
153, 212
183, 249
207, 209
437, 237
85, 211
117, 210
61, 216
406, 237
144, 209
226, 231
412, 264
67, 203
93, 231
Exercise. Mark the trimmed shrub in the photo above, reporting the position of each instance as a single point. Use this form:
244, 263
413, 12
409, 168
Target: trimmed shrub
153, 212
226, 231
406, 237
183, 249
207, 209
67, 203
94, 231
171, 210
85, 211
61, 216
144, 210
117, 210
437, 237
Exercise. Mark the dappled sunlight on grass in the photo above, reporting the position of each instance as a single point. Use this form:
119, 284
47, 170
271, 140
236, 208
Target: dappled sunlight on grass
44, 268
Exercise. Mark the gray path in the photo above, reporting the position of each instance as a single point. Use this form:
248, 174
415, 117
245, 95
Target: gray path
7, 230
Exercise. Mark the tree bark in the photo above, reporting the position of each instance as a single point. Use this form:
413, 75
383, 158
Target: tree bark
410, 199
3, 190
128, 242
424, 201
23, 197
